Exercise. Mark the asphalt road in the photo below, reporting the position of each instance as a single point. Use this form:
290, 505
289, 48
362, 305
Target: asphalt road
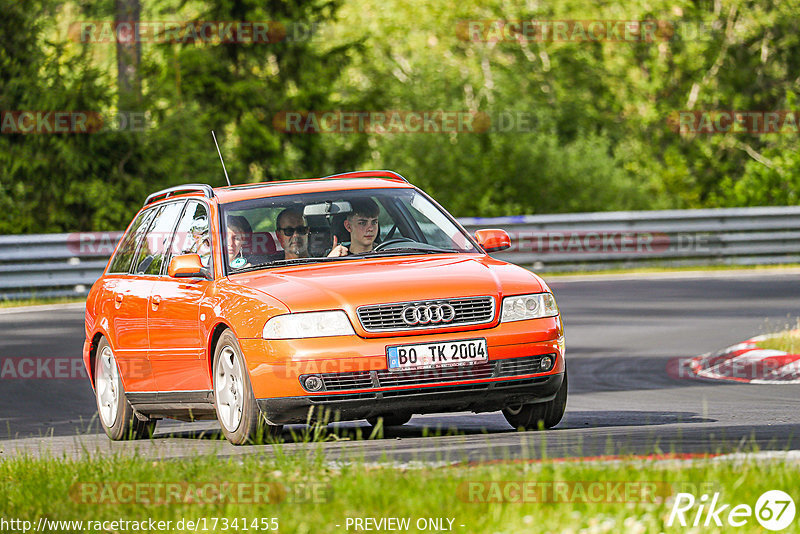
621, 334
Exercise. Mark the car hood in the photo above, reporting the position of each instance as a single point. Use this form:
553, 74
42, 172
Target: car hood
349, 284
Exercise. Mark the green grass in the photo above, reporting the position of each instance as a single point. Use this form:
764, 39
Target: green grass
787, 341
317, 496
40, 301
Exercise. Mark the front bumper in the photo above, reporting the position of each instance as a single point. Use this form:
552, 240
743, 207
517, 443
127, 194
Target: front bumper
275, 366
487, 396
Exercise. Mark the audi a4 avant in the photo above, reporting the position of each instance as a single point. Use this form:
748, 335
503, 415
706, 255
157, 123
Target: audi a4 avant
354, 296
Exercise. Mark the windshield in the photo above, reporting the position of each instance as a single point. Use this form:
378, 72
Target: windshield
333, 226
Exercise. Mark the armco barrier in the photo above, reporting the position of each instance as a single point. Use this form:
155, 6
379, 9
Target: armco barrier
671, 238
68, 264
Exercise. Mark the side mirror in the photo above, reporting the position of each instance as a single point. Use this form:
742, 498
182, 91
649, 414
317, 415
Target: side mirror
493, 240
187, 266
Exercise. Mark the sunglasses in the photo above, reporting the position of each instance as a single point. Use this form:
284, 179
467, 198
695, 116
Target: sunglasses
290, 230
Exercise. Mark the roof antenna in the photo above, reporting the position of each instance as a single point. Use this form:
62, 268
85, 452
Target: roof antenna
220, 159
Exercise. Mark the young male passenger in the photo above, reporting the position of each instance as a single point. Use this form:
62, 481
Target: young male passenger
362, 224
292, 232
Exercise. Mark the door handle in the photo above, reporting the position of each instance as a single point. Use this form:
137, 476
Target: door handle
154, 302
118, 301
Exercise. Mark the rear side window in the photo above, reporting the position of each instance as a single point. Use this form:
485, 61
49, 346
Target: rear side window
192, 236
127, 248
153, 248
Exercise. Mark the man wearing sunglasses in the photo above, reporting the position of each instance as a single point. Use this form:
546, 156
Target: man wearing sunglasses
292, 231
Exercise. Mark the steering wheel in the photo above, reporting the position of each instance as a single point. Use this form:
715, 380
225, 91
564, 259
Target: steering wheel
392, 242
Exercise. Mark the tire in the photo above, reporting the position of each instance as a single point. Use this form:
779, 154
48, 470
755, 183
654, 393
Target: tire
113, 409
397, 419
548, 414
237, 411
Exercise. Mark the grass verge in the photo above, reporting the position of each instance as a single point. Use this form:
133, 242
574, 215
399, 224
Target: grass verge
787, 341
306, 494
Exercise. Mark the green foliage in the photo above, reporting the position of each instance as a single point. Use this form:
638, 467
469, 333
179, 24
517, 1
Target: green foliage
599, 134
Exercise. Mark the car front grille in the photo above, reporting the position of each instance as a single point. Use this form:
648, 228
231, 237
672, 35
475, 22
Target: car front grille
389, 317
505, 368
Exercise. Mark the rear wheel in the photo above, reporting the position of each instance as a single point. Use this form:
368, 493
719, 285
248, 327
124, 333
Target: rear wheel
116, 414
237, 411
397, 419
548, 414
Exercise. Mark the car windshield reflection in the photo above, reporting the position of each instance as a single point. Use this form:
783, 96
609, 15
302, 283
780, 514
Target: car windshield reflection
337, 226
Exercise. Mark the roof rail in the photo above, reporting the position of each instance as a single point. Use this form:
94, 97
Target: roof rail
186, 188
367, 174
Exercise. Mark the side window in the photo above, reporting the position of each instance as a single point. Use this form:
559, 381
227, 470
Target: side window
434, 235
192, 236
127, 248
386, 224
153, 249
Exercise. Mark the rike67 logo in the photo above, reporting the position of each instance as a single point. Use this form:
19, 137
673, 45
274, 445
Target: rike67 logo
774, 510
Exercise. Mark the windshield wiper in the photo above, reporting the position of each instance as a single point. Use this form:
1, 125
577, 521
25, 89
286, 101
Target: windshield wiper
413, 250
402, 253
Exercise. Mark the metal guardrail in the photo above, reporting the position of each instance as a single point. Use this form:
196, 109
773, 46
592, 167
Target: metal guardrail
68, 264
669, 238
53, 265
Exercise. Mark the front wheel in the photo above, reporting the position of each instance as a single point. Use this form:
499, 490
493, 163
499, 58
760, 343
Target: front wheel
116, 414
237, 411
547, 414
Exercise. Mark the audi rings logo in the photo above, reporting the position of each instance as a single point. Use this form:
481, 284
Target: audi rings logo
428, 314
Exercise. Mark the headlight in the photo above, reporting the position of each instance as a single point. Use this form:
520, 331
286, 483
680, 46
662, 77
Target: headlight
521, 307
312, 324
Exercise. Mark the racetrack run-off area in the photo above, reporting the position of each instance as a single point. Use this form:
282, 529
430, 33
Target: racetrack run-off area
622, 333
743, 362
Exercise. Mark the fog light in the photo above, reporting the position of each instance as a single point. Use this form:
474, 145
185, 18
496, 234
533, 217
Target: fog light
546, 363
313, 383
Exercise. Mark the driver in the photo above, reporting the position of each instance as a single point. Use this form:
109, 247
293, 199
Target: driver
362, 224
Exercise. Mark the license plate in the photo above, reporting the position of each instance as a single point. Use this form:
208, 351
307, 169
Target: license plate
431, 355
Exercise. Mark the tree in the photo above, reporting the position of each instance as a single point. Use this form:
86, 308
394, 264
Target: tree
240, 87
129, 53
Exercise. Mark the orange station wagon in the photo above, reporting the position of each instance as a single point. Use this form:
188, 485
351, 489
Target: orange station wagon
354, 296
